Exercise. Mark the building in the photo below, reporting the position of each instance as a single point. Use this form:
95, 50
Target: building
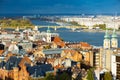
49, 53
45, 36
90, 21
22, 68
88, 56
84, 49
13, 48
115, 64
25, 44
109, 45
107, 58
96, 58
114, 40
106, 43
71, 54
58, 43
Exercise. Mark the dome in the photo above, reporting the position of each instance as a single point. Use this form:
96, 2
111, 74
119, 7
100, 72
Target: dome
114, 35
107, 36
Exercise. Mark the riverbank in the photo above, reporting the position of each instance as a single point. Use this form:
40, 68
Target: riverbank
101, 31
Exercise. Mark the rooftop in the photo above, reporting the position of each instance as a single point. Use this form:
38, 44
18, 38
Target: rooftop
53, 51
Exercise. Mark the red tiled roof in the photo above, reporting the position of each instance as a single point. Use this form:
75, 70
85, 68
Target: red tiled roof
58, 41
24, 60
1, 52
71, 51
73, 55
84, 44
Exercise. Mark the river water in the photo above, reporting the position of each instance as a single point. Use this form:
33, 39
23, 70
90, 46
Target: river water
93, 38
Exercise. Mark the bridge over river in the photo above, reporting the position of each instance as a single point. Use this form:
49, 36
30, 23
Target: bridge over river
68, 27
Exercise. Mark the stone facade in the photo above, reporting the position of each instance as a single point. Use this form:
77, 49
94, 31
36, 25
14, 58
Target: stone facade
71, 54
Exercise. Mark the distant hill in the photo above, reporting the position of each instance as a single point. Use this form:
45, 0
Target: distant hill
14, 23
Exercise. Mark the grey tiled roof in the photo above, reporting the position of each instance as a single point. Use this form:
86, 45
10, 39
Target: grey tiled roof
12, 62
39, 70
2, 64
22, 51
34, 71
53, 51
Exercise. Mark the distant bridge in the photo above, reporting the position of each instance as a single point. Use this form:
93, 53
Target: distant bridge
68, 27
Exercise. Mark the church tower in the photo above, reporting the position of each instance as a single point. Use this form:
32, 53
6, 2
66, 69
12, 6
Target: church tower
35, 28
106, 44
17, 29
114, 40
48, 35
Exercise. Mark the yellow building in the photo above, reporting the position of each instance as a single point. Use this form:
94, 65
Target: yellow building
88, 57
71, 54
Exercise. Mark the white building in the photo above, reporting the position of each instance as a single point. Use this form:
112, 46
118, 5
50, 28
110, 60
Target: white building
26, 45
45, 36
13, 48
110, 21
115, 66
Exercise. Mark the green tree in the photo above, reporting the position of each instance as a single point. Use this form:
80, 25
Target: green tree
90, 75
107, 76
102, 26
30, 78
74, 23
64, 76
49, 76
13, 23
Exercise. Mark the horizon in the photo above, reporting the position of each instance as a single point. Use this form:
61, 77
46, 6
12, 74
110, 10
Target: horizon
59, 7
55, 14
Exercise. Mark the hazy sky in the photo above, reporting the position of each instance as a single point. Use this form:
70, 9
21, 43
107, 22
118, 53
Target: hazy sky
59, 6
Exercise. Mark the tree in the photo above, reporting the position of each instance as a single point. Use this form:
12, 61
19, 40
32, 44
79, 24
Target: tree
90, 74
63, 76
102, 26
74, 23
107, 76
13, 23
49, 76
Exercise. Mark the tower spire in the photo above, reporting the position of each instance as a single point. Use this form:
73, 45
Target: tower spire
114, 35
106, 43
17, 29
106, 34
114, 40
48, 30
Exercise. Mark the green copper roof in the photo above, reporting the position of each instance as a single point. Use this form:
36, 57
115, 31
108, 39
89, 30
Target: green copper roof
48, 30
107, 36
114, 35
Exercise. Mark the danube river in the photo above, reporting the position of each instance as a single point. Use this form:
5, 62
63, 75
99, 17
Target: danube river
93, 38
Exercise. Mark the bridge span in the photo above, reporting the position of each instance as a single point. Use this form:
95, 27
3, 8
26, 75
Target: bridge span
68, 27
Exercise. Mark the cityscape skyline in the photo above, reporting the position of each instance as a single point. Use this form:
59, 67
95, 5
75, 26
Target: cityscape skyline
59, 40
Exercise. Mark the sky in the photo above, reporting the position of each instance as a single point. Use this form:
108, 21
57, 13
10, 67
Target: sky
59, 6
